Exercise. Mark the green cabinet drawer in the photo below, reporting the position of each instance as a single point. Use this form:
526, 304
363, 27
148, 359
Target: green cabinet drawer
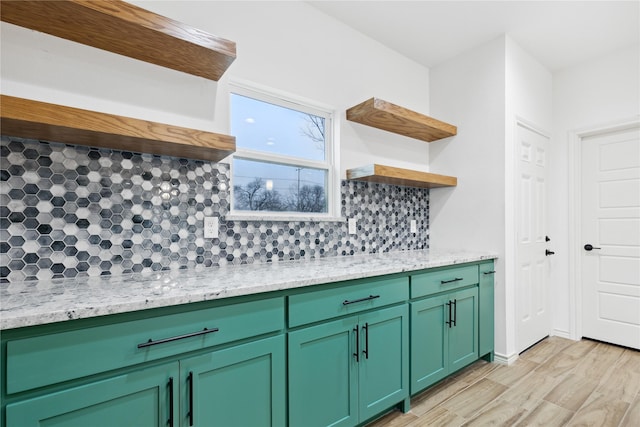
443, 280
348, 298
42, 360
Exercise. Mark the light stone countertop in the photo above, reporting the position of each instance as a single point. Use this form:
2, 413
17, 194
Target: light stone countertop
41, 302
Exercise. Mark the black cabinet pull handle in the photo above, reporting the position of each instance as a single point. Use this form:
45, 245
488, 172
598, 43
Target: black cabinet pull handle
357, 331
370, 297
170, 385
547, 252
455, 312
366, 341
489, 272
448, 322
180, 337
457, 279
190, 414
590, 247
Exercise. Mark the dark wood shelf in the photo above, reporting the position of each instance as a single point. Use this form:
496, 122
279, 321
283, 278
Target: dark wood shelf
26, 118
384, 115
398, 176
128, 30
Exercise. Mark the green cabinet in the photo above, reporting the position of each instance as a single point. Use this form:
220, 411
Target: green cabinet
211, 389
463, 331
240, 386
383, 368
346, 371
215, 359
322, 375
146, 397
444, 336
337, 354
486, 310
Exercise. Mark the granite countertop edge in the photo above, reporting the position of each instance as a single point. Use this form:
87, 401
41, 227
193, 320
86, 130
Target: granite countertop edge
32, 303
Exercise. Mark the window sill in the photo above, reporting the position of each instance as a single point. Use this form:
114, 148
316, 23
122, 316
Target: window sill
283, 218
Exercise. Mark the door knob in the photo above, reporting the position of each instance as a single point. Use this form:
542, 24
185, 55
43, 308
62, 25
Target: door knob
547, 252
590, 247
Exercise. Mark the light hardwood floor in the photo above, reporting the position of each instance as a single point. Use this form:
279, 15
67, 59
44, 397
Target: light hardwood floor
557, 382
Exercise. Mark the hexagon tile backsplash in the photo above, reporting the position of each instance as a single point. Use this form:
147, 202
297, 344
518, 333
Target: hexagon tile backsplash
70, 210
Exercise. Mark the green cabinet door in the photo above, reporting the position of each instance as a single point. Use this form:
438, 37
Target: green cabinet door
444, 336
346, 371
383, 367
323, 375
143, 398
486, 310
429, 342
463, 333
239, 386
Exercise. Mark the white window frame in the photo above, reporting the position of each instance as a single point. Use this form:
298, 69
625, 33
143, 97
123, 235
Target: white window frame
331, 163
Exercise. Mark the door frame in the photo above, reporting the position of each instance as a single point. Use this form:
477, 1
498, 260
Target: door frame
575, 201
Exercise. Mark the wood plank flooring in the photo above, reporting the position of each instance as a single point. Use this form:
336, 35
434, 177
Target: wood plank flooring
557, 382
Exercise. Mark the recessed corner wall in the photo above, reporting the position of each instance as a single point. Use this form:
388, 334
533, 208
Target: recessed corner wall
484, 91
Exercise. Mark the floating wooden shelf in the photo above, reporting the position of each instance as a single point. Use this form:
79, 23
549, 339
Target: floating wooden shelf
123, 28
384, 115
397, 176
39, 120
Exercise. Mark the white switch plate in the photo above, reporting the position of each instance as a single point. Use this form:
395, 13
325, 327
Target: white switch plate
352, 225
413, 226
210, 227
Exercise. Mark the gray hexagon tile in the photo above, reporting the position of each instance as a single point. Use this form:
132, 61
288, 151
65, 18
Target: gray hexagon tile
68, 211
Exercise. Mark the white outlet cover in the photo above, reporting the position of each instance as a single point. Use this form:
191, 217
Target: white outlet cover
210, 227
414, 227
353, 226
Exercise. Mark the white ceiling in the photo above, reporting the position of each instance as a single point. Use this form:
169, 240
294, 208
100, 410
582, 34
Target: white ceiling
558, 33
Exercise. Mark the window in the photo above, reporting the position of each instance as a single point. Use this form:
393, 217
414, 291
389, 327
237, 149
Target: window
284, 164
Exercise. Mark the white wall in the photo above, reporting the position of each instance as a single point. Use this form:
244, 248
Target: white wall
596, 93
289, 46
528, 86
469, 92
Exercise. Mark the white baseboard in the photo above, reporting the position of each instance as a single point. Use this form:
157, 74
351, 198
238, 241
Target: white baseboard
562, 334
505, 360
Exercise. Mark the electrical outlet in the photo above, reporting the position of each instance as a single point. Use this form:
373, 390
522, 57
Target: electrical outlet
210, 227
352, 226
413, 226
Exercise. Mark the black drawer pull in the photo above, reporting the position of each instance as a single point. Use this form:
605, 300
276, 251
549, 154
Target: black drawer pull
190, 413
457, 279
366, 341
455, 312
180, 337
489, 272
356, 354
170, 385
370, 297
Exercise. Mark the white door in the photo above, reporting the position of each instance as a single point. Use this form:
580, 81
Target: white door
532, 269
610, 198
